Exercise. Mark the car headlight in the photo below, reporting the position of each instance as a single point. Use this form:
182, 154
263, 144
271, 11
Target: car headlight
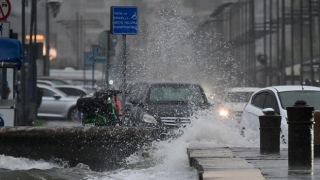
224, 112
149, 119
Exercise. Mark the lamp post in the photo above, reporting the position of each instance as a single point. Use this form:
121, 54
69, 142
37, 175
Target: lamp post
54, 5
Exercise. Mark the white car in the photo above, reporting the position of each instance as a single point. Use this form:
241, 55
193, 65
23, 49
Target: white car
56, 104
234, 101
70, 90
44, 82
278, 98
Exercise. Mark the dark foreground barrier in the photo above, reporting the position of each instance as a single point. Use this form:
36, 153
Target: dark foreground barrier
300, 132
316, 116
270, 127
101, 148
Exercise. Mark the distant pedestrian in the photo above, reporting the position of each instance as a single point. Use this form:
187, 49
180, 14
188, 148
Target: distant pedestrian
1, 121
7, 91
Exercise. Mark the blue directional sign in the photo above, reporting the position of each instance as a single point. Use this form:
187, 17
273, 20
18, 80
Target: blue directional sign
96, 50
88, 58
124, 20
97, 55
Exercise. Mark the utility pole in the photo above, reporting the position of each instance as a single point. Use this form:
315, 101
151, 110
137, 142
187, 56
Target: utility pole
265, 42
252, 41
283, 46
311, 43
47, 60
301, 42
292, 46
270, 43
108, 60
31, 106
22, 112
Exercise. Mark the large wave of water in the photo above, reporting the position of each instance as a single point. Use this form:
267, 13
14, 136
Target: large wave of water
168, 159
161, 160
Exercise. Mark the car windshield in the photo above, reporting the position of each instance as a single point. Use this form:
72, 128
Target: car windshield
135, 92
289, 98
238, 96
176, 94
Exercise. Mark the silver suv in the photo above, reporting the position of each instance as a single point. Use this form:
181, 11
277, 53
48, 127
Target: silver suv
56, 104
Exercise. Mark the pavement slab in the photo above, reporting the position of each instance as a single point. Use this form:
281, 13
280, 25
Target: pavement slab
246, 163
241, 174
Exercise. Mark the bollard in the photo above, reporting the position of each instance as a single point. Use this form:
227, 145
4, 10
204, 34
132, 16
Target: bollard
270, 127
300, 133
316, 117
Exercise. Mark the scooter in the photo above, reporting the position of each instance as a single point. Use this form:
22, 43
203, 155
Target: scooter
103, 109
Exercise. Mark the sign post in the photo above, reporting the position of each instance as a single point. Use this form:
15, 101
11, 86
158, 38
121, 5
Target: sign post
107, 44
88, 61
124, 21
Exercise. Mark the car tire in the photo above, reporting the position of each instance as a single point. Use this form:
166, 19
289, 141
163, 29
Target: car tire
73, 115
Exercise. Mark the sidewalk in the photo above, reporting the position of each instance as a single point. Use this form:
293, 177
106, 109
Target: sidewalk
245, 164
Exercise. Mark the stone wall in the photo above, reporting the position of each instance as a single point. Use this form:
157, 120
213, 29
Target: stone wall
102, 148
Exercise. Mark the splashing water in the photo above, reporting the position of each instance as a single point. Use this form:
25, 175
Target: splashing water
168, 159
161, 160
174, 46
11, 163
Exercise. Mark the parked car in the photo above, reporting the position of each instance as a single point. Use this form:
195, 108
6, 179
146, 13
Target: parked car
278, 98
234, 101
72, 90
55, 81
56, 104
44, 82
165, 105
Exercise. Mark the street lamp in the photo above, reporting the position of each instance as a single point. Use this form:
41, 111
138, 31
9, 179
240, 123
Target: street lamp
54, 5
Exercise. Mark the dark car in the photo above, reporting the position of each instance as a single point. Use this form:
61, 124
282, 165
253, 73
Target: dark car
165, 105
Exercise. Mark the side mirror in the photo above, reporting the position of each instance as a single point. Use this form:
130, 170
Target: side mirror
56, 96
268, 111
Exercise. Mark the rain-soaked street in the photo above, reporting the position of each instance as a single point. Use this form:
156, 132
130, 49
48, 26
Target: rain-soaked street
159, 89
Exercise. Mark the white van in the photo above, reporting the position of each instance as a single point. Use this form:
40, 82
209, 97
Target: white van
234, 101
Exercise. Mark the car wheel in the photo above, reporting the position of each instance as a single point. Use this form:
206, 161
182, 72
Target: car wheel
73, 114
